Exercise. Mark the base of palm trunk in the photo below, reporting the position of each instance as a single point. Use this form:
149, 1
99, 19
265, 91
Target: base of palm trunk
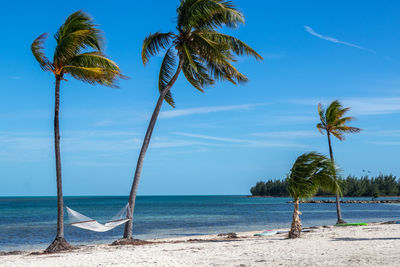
59, 244
295, 229
340, 221
294, 233
129, 241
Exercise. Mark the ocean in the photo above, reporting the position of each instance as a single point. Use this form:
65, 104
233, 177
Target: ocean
28, 223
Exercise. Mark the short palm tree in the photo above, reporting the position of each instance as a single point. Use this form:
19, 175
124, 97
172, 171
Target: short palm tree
310, 172
73, 38
333, 122
199, 51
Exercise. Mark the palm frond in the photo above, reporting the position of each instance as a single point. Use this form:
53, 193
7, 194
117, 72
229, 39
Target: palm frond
77, 33
72, 44
333, 121
167, 71
98, 68
338, 134
331, 111
79, 21
153, 44
343, 120
310, 172
321, 113
341, 111
93, 59
208, 14
198, 77
230, 71
237, 46
210, 50
217, 58
206, 54
326, 177
321, 128
347, 129
37, 48
93, 75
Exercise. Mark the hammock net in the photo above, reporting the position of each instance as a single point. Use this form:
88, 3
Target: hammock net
79, 220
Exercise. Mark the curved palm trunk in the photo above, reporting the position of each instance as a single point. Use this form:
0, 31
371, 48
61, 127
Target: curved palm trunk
59, 243
338, 208
295, 229
145, 145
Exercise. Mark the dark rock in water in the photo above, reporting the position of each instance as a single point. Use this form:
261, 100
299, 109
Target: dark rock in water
331, 201
390, 222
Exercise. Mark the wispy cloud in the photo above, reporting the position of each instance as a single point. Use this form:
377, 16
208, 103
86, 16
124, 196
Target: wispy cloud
201, 136
361, 106
374, 106
103, 123
288, 134
205, 110
386, 143
38, 146
15, 77
99, 134
385, 133
243, 142
295, 119
333, 40
167, 143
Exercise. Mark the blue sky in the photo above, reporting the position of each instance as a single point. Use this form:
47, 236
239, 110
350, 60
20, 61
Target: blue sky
220, 142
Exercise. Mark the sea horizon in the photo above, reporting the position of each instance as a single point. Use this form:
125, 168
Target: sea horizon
29, 223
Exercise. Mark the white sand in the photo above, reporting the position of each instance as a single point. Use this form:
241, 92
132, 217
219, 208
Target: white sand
373, 245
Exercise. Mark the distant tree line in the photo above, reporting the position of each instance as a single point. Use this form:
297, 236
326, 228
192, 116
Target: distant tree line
381, 185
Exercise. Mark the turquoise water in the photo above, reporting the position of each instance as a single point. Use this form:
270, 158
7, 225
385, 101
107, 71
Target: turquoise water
30, 223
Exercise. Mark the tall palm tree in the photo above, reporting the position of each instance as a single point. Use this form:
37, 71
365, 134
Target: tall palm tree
198, 50
71, 56
310, 172
333, 122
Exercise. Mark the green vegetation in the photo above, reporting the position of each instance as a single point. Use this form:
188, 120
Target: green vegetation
333, 122
365, 186
310, 172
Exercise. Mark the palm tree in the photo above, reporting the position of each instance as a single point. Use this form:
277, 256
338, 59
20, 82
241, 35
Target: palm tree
334, 123
199, 51
73, 38
310, 172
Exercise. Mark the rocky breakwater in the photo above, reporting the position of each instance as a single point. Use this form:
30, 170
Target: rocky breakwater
352, 201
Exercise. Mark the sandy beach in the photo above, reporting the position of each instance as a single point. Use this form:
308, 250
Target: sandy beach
373, 245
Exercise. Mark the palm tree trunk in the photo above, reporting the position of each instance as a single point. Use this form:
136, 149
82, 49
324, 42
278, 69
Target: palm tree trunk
145, 145
295, 229
330, 145
338, 208
59, 243
60, 200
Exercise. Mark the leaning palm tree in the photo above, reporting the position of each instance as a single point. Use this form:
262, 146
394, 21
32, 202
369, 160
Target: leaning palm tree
310, 172
200, 51
334, 123
73, 39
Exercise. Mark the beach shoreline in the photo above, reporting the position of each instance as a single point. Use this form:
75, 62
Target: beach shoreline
374, 245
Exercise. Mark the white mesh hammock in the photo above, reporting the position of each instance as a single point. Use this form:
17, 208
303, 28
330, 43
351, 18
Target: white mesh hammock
79, 220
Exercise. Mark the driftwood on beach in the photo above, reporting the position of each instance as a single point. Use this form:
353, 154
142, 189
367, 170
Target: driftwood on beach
329, 201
